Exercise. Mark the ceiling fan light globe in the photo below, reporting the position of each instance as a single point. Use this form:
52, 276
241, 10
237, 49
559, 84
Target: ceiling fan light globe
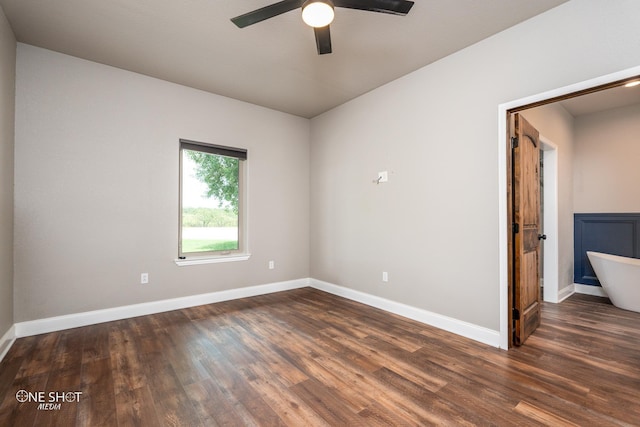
317, 14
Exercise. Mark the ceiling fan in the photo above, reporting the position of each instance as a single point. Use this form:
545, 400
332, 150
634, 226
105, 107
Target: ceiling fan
319, 14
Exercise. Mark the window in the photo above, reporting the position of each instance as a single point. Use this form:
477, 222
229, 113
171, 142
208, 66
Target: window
211, 200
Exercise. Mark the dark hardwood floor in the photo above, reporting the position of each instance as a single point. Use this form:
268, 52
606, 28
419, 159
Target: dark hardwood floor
307, 358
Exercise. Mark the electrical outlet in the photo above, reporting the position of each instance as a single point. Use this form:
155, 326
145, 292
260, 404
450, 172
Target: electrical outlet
144, 278
385, 276
272, 265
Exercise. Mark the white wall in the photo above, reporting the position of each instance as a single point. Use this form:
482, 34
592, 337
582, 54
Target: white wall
434, 225
7, 99
556, 124
607, 161
96, 187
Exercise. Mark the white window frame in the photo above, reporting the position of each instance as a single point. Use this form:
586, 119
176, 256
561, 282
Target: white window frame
240, 254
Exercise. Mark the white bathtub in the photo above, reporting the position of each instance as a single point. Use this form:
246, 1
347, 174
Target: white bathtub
619, 277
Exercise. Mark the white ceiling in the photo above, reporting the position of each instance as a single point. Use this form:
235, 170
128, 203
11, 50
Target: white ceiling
273, 63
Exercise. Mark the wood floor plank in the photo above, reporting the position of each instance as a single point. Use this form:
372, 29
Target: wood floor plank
9, 371
269, 356
347, 354
542, 416
391, 357
377, 390
136, 407
292, 410
95, 342
42, 356
97, 407
216, 406
308, 358
21, 413
326, 402
172, 404
61, 385
234, 383
181, 349
127, 369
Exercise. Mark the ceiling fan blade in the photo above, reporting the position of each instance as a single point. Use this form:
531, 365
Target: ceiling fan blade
394, 7
323, 40
266, 12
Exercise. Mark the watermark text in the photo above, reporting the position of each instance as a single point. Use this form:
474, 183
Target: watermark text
48, 401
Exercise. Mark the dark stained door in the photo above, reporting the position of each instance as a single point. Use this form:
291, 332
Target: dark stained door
526, 229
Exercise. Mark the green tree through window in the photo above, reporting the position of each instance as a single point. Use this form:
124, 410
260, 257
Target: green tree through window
211, 195
221, 175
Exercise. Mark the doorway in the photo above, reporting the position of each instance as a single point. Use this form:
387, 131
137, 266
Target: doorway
504, 111
550, 248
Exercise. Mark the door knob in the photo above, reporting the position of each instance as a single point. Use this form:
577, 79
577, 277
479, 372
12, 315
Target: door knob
542, 237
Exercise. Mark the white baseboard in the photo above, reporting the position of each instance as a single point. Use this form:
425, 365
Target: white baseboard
58, 323
7, 341
590, 290
459, 327
566, 292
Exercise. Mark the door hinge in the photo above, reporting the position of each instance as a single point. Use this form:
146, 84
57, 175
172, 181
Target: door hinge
514, 142
516, 227
516, 314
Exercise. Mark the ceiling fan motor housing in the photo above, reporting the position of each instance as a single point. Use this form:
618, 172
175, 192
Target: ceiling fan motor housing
317, 13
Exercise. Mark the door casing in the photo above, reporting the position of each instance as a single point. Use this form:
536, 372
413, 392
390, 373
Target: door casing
551, 254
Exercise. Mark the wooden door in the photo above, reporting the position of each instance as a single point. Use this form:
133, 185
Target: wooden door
526, 229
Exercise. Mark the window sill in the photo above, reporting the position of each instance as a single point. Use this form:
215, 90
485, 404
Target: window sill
211, 260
